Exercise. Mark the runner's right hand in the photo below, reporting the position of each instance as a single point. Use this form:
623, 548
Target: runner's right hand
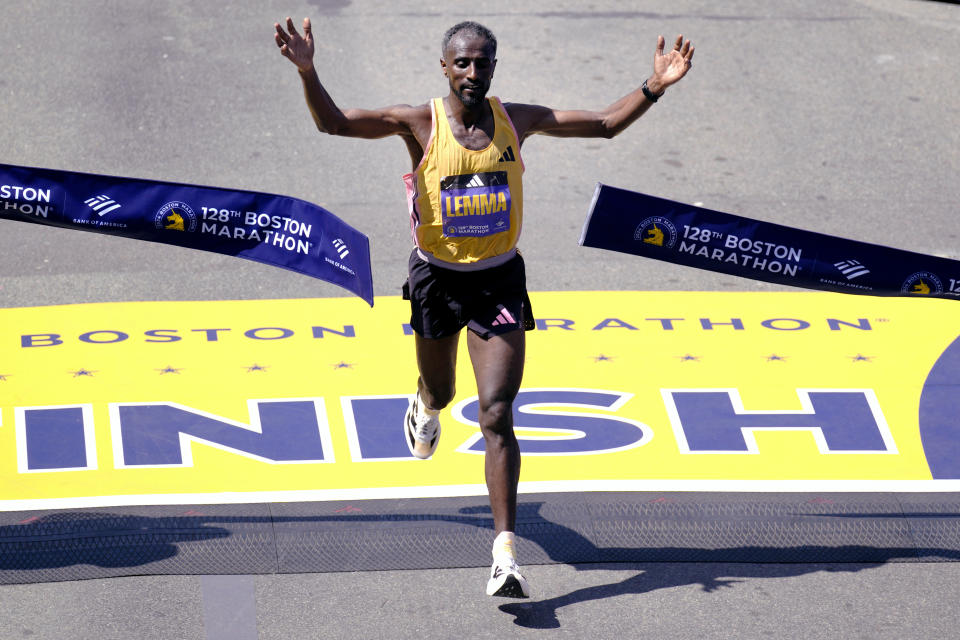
298, 49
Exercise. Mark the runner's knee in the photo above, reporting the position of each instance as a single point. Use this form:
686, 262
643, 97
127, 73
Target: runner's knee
437, 396
496, 416
498, 439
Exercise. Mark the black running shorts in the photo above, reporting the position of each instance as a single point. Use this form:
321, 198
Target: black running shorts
489, 302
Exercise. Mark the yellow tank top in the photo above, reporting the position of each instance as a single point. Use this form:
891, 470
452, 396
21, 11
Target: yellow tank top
466, 207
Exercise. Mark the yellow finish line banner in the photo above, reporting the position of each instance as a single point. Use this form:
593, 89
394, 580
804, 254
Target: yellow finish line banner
245, 401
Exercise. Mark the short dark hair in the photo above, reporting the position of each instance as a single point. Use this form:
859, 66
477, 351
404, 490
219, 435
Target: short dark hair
472, 27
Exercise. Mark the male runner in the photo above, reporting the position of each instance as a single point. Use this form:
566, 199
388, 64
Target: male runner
465, 199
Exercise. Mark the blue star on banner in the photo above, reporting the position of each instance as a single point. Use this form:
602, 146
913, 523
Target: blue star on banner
861, 358
602, 358
82, 372
256, 367
775, 358
688, 358
168, 369
343, 365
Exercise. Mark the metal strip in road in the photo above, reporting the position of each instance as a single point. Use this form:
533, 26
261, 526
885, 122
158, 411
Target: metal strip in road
229, 607
567, 528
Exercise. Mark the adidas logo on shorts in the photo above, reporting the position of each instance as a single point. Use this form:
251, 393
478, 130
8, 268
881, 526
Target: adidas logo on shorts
504, 317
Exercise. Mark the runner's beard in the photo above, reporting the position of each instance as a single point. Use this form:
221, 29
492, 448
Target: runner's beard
475, 98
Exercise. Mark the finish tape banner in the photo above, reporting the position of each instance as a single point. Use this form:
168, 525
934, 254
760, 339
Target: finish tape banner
276, 230
638, 224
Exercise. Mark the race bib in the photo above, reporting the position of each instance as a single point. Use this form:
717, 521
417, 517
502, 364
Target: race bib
475, 204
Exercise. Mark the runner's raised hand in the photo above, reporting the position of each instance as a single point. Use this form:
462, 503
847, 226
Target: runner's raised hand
671, 66
298, 49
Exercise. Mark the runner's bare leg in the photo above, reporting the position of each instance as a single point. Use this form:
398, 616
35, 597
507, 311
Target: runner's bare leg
437, 363
498, 367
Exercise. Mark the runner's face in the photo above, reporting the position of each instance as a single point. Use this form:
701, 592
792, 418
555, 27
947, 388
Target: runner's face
468, 64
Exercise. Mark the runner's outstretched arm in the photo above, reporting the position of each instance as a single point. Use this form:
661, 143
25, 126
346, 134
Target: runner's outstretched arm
668, 68
359, 123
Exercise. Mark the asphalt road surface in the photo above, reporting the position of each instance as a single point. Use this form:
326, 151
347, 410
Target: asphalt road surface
841, 117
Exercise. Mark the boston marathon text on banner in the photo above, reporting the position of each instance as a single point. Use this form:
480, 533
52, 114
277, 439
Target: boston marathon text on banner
638, 224
275, 230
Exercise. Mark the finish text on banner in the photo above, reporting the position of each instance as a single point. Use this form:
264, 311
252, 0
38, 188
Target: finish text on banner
276, 230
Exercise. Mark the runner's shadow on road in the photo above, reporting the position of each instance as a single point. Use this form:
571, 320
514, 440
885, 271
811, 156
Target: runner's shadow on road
711, 576
724, 565
98, 539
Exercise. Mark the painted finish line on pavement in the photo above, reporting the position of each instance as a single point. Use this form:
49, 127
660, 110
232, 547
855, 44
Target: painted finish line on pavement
284, 400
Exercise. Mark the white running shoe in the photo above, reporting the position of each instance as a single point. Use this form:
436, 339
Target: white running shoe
505, 579
422, 430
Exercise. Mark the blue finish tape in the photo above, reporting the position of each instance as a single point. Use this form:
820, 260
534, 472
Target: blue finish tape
638, 224
275, 230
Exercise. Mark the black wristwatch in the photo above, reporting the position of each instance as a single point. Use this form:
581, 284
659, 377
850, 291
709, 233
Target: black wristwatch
650, 95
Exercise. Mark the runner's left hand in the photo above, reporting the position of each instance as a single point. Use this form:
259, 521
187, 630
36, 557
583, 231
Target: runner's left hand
669, 67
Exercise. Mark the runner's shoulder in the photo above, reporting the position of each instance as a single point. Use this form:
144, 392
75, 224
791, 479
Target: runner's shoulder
525, 117
522, 107
409, 114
